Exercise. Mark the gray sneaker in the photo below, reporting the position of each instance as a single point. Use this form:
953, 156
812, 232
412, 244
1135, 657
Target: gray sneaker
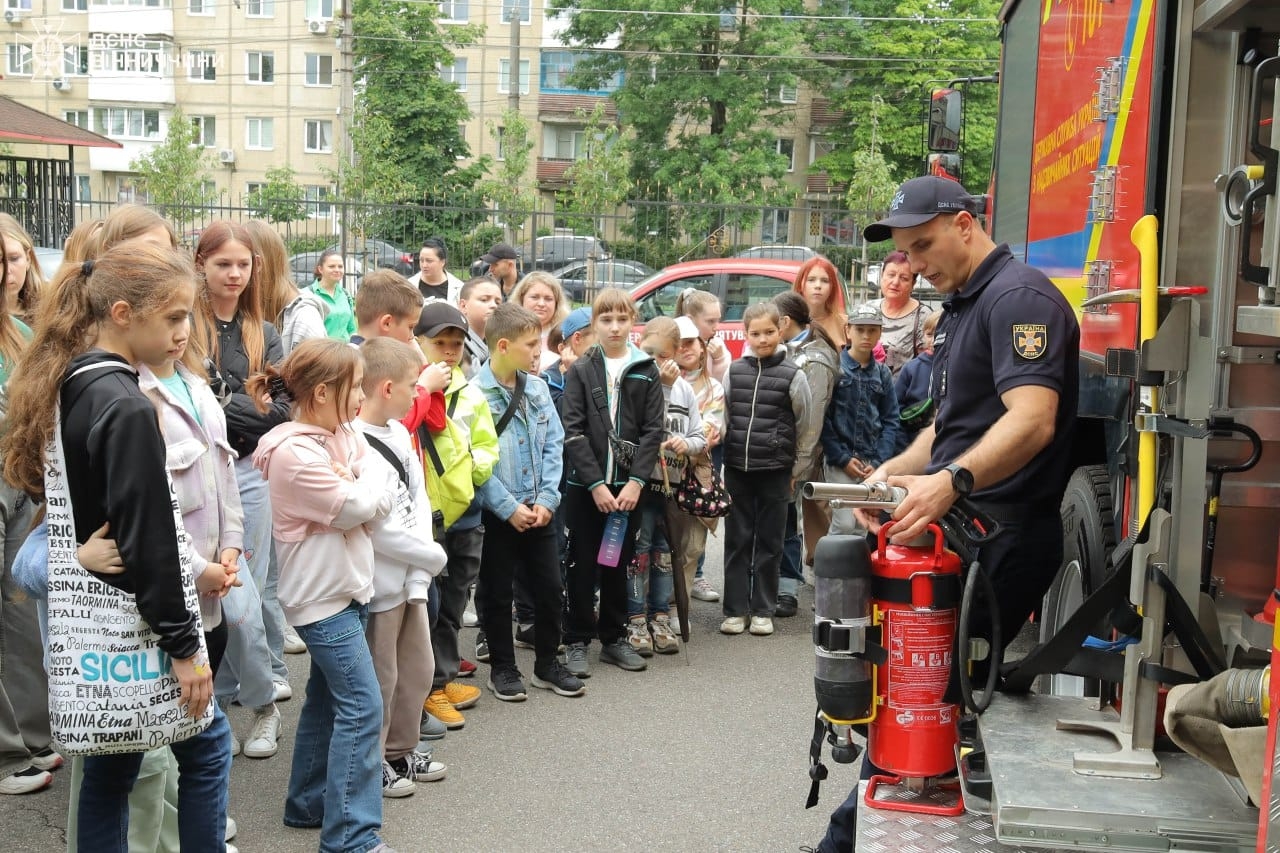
575, 660
620, 654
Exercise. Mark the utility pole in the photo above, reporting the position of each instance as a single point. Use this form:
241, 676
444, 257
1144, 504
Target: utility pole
346, 115
513, 82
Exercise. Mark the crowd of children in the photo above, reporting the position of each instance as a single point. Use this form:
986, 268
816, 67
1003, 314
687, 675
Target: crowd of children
348, 469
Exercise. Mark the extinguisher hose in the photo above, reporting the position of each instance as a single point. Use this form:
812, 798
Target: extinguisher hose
975, 576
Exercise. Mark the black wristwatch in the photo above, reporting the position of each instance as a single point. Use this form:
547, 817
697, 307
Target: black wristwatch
961, 479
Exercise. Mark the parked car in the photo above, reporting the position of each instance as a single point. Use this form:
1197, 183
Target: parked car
303, 269
736, 282
50, 260
557, 250
611, 273
386, 256
778, 253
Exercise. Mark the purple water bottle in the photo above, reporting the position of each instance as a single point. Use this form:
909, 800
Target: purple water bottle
615, 531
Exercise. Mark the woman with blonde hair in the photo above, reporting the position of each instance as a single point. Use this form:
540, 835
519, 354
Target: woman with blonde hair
23, 279
542, 294
296, 314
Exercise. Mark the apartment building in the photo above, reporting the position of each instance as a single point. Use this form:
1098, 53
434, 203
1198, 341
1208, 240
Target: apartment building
263, 82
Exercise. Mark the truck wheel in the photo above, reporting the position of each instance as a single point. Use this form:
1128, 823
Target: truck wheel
1088, 537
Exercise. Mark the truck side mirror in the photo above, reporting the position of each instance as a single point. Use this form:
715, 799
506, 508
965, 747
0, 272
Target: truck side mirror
945, 166
946, 110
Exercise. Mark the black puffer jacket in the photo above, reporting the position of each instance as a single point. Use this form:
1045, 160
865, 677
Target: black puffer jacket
115, 459
760, 421
245, 424
585, 414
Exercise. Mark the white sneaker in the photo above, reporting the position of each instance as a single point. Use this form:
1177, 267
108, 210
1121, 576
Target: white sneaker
469, 618
395, 786
283, 691
293, 644
46, 759
761, 626
419, 767
25, 781
704, 591
235, 745
231, 830
264, 734
733, 625
231, 848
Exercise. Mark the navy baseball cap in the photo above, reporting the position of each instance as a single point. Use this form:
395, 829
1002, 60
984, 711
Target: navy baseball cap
916, 202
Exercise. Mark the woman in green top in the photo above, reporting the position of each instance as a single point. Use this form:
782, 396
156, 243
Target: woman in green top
340, 324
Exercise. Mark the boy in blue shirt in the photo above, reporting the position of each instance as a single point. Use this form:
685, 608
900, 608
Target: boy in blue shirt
519, 502
860, 430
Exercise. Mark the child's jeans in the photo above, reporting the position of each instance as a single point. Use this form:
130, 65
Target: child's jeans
651, 565
335, 783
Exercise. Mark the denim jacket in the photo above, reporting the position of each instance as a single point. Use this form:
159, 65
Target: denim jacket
862, 418
530, 450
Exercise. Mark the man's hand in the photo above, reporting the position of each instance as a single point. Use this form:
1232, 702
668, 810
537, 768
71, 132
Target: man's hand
435, 377
605, 501
522, 519
98, 553
196, 678
542, 516
629, 496
929, 496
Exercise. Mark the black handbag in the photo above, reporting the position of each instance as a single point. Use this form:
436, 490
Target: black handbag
709, 500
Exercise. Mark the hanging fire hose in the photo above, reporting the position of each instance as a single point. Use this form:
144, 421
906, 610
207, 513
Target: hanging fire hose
887, 627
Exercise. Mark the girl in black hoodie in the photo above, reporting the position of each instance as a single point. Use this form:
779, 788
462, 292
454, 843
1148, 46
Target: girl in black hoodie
132, 304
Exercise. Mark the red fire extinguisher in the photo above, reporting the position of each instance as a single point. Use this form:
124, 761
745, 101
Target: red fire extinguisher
915, 597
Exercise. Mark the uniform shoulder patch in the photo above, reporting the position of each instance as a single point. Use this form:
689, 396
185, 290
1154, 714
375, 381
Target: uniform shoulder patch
1030, 340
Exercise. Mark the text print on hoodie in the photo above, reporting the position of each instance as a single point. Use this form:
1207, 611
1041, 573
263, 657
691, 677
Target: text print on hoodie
318, 517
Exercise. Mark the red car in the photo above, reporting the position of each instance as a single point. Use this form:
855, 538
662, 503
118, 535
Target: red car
736, 282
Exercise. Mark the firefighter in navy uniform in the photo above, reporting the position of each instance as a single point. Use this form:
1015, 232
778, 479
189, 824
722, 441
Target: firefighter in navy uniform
1005, 382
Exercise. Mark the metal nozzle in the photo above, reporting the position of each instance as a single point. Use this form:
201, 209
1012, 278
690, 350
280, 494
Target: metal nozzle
855, 495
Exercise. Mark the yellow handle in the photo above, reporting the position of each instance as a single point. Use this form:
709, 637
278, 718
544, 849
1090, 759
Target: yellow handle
1143, 236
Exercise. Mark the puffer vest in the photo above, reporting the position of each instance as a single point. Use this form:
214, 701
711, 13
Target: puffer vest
760, 423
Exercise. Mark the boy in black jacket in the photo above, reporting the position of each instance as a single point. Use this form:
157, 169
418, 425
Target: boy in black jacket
613, 425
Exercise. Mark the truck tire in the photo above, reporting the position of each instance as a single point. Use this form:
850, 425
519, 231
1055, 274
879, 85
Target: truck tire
1088, 537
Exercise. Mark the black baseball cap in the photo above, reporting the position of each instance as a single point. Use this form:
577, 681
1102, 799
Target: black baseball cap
499, 252
916, 202
438, 315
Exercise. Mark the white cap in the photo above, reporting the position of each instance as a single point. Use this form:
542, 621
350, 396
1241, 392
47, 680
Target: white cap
688, 329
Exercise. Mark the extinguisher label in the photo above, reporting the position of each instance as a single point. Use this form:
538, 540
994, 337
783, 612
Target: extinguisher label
920, 649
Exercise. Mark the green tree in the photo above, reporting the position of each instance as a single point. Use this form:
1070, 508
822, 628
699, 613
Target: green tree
600, 181
173, 174
509, 190
280, 198
702, 86
898, 50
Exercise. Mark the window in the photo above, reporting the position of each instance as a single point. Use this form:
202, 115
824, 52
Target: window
454, 11
260, 133
209, 189
128, 191
75, 60
318, 204
462, 137
24, 5
75, 5
455, 73
563, 143
201, 65
510, 7
504, 76
260, 8
788, 94
253, 187
19, 60
319, 9
154, 4
206, 130
319, 136
743, 289
728, 19
129, 55
661, 302
787, 148
127, 122
502, 142
776, 225
319, 69
80, 118
82, 188
261, 66
199, 7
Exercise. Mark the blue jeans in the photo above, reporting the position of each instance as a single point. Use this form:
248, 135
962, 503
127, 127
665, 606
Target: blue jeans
204, 769
246, 672
336, 779
260, 556
651, 564
791, 574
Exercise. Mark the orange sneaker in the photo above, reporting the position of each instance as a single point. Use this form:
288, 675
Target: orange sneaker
461, 696
438, 706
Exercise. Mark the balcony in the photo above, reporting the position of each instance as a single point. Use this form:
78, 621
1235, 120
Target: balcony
820, 183
564, 109
550, 174
118, 159
131, 20
822, 114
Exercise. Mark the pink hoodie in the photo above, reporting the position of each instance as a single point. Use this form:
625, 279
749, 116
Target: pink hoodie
318, 517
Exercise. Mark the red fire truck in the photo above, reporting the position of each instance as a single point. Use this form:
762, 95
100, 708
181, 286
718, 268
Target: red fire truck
1136, 164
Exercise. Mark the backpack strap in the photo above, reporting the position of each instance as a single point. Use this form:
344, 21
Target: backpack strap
429, 447
516, 397
387, 454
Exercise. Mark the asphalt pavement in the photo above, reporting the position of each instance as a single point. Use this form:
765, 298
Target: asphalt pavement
706, 750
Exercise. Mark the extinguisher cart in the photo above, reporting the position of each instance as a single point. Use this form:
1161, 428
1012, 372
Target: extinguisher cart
1111, 112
